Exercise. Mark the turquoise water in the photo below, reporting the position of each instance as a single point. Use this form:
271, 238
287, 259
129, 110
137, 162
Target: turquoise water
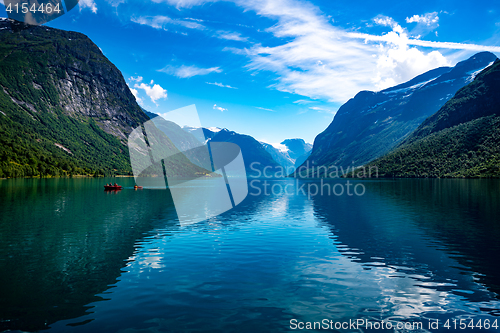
74, 258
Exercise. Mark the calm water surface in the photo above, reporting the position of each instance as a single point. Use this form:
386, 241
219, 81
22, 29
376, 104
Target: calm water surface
74, 258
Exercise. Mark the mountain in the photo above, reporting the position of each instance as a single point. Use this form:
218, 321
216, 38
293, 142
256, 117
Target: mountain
255, 156
290, 153
265, 155
461, 140
284, 157
179, 151
372, 123
476, 100
64, 107
297, 147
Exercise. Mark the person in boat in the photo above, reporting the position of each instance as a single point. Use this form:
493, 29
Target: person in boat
116, 184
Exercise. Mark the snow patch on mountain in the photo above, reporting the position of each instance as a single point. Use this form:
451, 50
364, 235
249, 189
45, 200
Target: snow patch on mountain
473, 74
411, 88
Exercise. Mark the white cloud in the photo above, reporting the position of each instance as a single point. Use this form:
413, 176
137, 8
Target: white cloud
320, 60
384, 21
303, 101
312, 57
219, 108
154, 91
229, 35
425, 23
136, 95
397, 61
185, 3
220, 85
189, 71
116, 3
88, 4
427, 19
322, 110
161, 22
390, 38
270, 110
137, 79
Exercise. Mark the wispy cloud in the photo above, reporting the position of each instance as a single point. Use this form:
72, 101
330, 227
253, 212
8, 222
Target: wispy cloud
400, 36
221, 85
312, 57
185, 3
189, 71
322, 110
260, 108
322, 61
221, 109
303, 101
116, 3
162, 22
90, 4
231, 35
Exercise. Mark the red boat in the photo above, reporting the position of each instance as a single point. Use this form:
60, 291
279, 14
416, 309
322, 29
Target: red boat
112, 188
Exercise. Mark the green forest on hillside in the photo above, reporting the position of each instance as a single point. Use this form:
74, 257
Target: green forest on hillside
470, 150
29, 150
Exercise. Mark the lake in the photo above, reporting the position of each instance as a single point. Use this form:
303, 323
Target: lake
74, 258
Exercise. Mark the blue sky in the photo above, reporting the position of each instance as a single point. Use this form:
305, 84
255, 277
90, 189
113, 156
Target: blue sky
277, 69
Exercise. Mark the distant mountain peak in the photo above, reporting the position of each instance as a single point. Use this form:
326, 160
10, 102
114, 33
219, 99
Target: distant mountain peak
481, 57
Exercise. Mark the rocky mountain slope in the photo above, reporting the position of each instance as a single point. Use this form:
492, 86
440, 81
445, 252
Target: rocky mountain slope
461, 140
64, 107
372, 123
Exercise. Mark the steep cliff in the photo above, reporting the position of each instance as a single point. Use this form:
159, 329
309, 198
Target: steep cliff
65, 108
